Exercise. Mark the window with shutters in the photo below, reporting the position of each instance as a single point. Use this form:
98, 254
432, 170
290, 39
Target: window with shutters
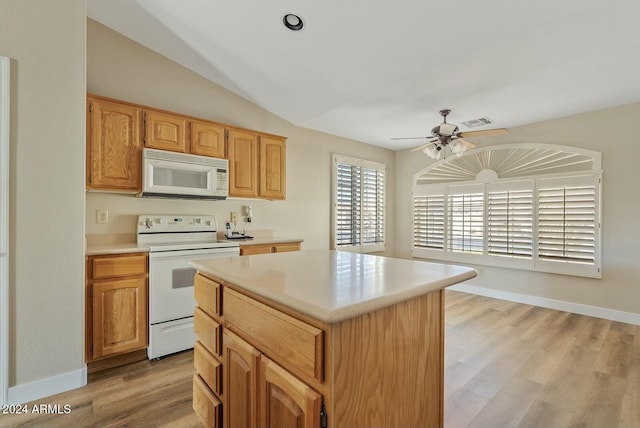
543, 224
428, 221
359, 205
465, 207
568, 223
510, 223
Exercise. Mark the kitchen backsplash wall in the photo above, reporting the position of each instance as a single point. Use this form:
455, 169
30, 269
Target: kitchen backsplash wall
124, 211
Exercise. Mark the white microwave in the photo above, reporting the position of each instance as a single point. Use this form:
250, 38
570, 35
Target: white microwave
180, 175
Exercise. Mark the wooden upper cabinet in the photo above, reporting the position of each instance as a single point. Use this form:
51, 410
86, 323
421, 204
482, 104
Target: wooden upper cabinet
114, 146
207, 139
273, 156
243, 164
165, 131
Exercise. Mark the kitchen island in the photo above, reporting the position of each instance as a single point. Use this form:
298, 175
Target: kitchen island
320, 338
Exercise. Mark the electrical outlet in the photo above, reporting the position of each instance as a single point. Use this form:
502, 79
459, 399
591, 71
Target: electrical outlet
234, 216
102, 216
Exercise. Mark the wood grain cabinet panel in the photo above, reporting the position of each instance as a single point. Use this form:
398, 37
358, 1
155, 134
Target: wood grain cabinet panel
208, 367
119, 316
273, 156
114, 146
205, 404
283, 247
250, 250
281, 336
243, 164
207, 139
116, 314
286, 402
208, 295
165, 131
286, 247
240, 362
209, 331
119, 265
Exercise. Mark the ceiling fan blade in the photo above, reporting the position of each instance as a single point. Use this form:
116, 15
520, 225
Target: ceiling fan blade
410, 138
467, 144
423, 146
483, 132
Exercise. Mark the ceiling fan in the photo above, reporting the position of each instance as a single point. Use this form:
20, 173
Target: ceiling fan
448, 134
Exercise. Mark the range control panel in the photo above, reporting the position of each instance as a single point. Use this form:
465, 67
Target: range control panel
176, 223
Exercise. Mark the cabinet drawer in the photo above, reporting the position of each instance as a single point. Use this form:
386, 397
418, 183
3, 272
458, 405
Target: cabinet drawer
205, 404
289, 246
111, 266
209, 331
248, 250
207, 294
280, 336
208, 367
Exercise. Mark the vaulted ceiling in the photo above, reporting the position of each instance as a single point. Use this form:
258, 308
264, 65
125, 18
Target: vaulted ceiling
371, 70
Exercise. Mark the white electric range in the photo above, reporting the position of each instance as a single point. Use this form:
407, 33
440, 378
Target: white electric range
173, 241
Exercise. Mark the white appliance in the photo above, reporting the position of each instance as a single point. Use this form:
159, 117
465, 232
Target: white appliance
180, 175
173, 241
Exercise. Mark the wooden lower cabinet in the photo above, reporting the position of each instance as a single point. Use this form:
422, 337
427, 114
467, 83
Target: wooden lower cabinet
283, 247
260, 393
116, 307
205, 404
285, 401
240, 361
282, 368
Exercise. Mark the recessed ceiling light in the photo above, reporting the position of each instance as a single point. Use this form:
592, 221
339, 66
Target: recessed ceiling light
292, 22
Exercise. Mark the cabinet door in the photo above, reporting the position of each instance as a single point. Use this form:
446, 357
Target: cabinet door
272, 167
285, 401
165, 131
114, 146
240, 371
119, 316
243, 164
207, 139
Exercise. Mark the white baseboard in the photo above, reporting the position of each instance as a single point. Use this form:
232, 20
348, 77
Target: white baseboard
31, 391
561, 305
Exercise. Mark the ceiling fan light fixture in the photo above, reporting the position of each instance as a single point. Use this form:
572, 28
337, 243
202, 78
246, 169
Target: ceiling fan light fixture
457, 147
293, 22
432, 151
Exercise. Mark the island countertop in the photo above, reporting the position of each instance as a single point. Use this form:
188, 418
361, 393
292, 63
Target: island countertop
332, 286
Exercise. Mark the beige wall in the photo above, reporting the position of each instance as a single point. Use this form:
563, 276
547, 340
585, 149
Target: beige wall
611, 132
119, 68
46, 43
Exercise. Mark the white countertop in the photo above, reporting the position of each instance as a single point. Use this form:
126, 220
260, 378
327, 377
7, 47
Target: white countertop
115, 248
332, 285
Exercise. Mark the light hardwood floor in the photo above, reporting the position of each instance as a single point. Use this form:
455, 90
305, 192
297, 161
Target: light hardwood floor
506, 365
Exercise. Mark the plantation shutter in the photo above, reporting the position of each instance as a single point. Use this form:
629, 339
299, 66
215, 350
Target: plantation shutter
466, 219
359, 204
568, 219
428, 219
348, 194
510, 219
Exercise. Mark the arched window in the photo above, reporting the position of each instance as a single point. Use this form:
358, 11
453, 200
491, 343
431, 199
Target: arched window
523, 206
